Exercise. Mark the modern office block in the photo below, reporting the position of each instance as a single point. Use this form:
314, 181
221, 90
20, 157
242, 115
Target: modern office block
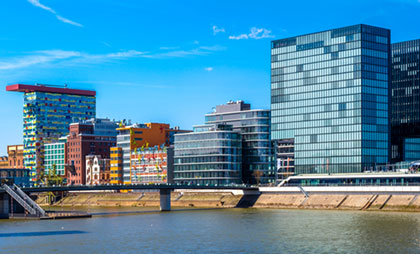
55, 156
329, 98
405, 112
254, 126
47, 113
211, 154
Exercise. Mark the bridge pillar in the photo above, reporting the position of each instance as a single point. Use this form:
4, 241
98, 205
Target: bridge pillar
165, 200
4, 206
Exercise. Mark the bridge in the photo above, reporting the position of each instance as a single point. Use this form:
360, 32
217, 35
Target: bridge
14, 196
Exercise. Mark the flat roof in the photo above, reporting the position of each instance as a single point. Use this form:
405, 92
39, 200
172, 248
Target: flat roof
48, 89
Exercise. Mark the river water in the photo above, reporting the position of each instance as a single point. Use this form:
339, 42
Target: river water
218, 231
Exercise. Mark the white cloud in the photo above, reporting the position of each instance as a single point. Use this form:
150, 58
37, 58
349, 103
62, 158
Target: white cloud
256, 33
208, 69
45, 57
38, 4
238, 37
168, 48
49, 9
37, 57
68, 21
217, 30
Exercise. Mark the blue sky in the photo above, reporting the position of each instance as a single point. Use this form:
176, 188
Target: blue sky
165, 61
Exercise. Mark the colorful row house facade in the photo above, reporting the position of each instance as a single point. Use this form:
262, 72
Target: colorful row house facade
136, 141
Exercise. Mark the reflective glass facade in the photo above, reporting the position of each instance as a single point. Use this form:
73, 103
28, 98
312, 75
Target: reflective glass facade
209, 155
329, 93
405, 119
257, 150
411, 149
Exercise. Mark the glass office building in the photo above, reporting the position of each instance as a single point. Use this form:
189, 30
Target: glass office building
329, 95
211, 154
405, 112
411, 149
254, 126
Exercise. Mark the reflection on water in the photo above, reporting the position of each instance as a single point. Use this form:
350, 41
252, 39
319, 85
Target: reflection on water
221, 231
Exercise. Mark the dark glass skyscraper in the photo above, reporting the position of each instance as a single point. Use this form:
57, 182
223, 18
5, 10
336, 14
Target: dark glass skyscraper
329, 98
405, 120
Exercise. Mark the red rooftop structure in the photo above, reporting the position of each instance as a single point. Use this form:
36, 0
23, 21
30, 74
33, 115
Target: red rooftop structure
47, 89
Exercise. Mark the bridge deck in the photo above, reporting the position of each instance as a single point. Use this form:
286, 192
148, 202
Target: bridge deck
133, 187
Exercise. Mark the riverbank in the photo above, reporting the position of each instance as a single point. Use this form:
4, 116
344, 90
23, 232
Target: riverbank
371, 202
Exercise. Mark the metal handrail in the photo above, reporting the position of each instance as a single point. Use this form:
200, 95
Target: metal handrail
20, 200
29, 200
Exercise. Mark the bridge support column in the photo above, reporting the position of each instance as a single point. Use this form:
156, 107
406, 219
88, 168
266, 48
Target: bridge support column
4, 206
165, 200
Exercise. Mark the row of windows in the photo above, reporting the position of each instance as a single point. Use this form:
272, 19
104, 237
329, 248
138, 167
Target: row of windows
342, 129
340, 93
342, 152
61, 151
283, 127
206, 136
346, 136
328, 38
51, 157
318, 58
338, 145
315, 51
316, 66
213, 166
208, 159
208, 143
330, 107
207, 175
330, 100
340, 160
207, 151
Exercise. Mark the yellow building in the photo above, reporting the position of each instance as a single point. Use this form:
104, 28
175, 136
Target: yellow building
116, 165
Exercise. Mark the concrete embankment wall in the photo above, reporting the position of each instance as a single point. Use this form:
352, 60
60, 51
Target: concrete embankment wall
147, 199
291, 200
374, 202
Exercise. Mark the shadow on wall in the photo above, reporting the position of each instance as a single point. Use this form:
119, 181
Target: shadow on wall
247, 201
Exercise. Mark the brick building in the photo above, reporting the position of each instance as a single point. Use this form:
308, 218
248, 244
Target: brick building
88, 138
15, 153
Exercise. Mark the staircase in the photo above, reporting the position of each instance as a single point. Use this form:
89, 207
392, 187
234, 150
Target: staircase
24, 200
